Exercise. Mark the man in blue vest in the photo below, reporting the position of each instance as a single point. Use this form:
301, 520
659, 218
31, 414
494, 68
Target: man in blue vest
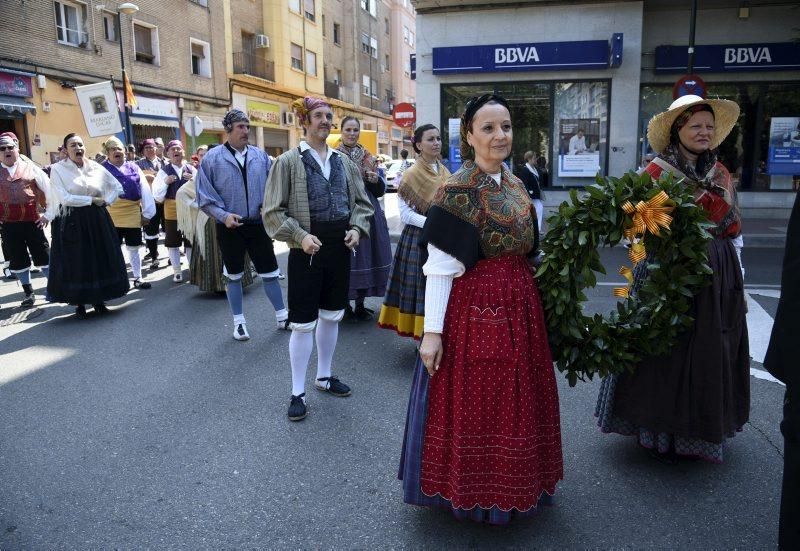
230, 189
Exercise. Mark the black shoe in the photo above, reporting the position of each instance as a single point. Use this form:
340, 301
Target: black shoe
28, 301
333, 386
154, 265
80, 312
297, 408
139, 284
349, 314
100, 308
363, 314
148, 256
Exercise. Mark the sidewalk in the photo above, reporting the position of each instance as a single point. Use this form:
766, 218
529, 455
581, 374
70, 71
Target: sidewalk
757, 232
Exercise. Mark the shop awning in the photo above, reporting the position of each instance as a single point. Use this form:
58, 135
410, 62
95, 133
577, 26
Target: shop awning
13, 105
147, 121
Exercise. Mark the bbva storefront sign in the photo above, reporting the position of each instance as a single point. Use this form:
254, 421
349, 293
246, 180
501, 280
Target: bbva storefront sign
539, 56
726, 58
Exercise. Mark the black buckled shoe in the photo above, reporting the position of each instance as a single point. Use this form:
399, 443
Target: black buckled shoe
363, 314
297, 408
28, 301
333, 386
100, 308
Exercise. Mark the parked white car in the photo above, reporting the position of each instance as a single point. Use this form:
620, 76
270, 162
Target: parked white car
392, 172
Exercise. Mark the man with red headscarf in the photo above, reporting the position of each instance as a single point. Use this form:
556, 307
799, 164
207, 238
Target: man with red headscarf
315, 202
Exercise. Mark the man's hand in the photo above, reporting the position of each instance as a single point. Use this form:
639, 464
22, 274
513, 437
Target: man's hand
430, 352
171, 178
311, 244
371, 176
232, 221
351, 238
42, 221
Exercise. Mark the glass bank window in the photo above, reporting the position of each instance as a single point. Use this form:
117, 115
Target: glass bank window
545, 115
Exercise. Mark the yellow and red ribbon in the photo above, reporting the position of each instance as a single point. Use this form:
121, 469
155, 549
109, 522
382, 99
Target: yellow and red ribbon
646, 216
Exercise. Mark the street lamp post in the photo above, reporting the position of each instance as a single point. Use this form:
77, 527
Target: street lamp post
128, 9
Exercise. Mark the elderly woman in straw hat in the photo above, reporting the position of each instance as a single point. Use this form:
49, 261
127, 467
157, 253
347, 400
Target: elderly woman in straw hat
689, 402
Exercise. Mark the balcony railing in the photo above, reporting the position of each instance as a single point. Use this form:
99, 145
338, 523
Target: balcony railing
246, 63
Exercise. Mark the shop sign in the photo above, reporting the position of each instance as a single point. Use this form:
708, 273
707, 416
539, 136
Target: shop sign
99, 108
15, 85
397, 134
538, 56
728, 58
784, 146
152, 107
383, 136
404, 115
578, 156
264, 114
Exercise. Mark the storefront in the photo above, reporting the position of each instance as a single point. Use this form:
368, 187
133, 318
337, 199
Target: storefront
16, 90
569, 91
583, 90
153, 117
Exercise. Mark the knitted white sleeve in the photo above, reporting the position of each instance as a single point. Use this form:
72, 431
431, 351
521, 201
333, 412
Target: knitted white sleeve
408, 215
440, 270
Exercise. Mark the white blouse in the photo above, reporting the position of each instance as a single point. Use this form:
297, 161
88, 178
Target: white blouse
76, 186
160, 184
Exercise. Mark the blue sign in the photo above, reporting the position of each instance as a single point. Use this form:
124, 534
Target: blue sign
784, 146
729, 58
454, 158
536, 56
413, 66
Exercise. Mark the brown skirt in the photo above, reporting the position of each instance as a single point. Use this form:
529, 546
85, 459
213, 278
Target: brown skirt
702, 389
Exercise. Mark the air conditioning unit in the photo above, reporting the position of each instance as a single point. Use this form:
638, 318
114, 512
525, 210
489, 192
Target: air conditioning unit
288, 119
262, 41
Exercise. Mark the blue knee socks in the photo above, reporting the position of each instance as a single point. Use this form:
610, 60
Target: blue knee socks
273, 290
235, 296
24, 277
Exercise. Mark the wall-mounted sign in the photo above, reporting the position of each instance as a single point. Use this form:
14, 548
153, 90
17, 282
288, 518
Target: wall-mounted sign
152, 107
534, 56
727, 58
12, 84
261, 113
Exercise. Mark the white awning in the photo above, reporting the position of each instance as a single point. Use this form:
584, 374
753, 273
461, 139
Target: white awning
11, 105
147, 121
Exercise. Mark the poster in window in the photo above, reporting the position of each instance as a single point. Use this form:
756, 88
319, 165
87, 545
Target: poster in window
784, 146
578, 143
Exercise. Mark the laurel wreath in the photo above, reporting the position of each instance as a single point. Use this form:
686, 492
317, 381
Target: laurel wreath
671, 231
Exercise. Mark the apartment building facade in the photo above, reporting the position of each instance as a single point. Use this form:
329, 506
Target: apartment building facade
173, 52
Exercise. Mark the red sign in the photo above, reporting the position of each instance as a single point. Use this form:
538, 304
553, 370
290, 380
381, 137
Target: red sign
404, 115
689, 85
15, 85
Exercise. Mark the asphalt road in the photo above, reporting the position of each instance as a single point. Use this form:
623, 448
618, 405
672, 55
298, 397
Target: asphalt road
152, 428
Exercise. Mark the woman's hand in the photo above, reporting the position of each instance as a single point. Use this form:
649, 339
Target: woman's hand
98, 201
430, 352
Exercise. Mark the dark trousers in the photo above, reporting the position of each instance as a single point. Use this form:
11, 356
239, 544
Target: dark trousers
789, 532
21, 241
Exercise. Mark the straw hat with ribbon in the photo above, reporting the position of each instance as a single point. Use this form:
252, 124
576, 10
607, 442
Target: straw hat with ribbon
726, 114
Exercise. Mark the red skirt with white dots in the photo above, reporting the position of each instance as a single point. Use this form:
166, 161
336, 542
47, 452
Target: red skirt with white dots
492, 430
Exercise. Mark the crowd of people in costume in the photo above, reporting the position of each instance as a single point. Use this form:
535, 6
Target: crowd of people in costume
482, 434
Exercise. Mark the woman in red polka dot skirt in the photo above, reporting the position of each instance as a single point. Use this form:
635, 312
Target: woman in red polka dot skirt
483, 434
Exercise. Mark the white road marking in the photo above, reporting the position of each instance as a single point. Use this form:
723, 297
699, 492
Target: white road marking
759, 328
761, 374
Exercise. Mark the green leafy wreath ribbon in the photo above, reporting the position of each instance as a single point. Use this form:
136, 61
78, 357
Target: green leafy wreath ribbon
661, 217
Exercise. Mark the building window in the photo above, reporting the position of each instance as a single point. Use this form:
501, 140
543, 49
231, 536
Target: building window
69, 24
294, 5
310, 12
374, 88
201, 57
386, 66
337, 34
311, 63
411, 39
407, 67
324, 29
386, 24
365, 44
373, 47
297, 57
365, 85
371, 6
110, 26
145, 43
338, 78
406, 32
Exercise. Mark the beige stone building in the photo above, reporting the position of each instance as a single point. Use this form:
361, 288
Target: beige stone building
174, 52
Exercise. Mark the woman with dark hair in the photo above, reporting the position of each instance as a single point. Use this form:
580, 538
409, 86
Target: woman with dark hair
369, 268
483, 435
404, 306
689, 402
86, 263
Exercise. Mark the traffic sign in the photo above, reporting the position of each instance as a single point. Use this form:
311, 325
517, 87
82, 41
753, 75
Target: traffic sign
193, 125
689, 85
404, 115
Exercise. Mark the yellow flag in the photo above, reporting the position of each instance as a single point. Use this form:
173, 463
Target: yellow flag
129, 92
